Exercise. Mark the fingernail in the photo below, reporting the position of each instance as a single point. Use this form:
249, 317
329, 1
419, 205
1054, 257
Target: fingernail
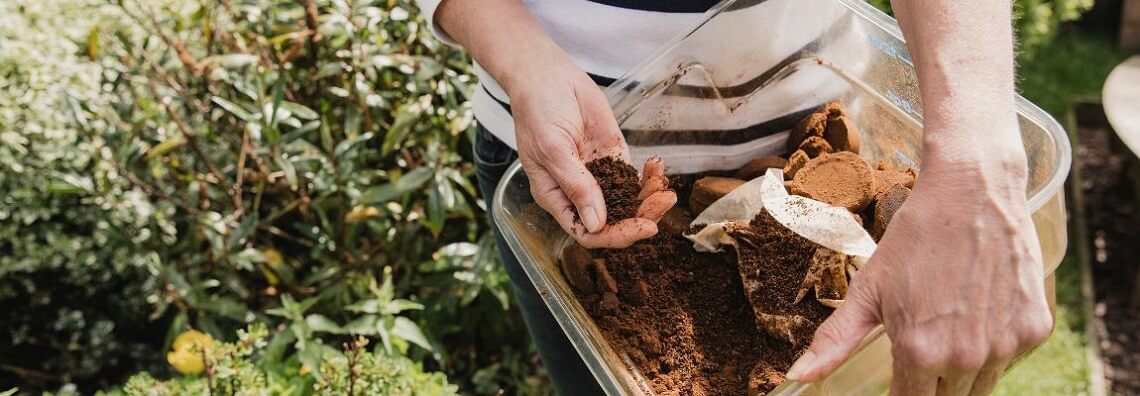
591, 219
801, 365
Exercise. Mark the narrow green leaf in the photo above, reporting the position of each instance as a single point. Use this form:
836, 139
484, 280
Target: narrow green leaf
346, 145
326, 138
290, 171
405, 118
238, 110
230, 61
166, 146
299, 132
237, 238
300, 111
379, 194
435, 213
414, 180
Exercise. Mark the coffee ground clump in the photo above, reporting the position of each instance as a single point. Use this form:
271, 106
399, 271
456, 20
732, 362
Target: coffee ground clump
620, 186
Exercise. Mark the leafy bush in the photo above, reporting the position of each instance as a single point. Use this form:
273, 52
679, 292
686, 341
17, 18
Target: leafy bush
237, 369
66, 218
207, 165
297, 152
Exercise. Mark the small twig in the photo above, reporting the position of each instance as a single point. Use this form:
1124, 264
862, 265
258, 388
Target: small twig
242, 153
178, 47
27, 373
209, 372
154, 191
192, 141
278, 232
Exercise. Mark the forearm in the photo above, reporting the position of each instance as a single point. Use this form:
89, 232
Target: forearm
963, 51
503, 37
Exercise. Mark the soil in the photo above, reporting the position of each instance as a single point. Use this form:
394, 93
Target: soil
1111, 204
620, 186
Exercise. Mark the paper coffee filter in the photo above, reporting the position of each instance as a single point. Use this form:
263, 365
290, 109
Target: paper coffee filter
830, 226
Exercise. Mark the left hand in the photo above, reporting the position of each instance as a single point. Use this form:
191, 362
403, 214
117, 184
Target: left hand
957, 282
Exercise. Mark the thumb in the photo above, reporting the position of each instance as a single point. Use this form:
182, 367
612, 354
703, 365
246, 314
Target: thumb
836, 337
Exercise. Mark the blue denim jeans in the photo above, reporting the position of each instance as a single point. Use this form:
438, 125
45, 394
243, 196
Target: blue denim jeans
566, 369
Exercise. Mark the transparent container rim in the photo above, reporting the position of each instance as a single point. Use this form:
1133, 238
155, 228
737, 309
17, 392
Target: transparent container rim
622, 87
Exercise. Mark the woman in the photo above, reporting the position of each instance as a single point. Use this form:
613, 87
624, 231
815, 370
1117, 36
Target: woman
541, 63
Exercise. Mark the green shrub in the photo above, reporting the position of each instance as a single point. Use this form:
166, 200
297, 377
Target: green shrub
296, 153
67, 241
1036, 21
208, 165
239, 368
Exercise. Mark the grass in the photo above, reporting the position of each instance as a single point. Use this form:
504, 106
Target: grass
1072, 67
1059, 366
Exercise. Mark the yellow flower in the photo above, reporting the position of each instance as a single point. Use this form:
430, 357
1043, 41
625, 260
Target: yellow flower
186, 353
304, 369
273, 257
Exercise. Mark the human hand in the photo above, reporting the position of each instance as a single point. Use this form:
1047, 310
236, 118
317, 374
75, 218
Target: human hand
563, 121
956, 281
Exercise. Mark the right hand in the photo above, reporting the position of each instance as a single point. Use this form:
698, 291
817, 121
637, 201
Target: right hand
562, 121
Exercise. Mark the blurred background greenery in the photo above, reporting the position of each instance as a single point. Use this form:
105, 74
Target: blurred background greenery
290, 175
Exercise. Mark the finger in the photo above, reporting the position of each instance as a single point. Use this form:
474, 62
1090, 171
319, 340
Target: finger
580, 187
837, 337
550, 198
602, 131
655, 206
652, 185
620, 235
956, 384
654, 166
987, 379
908, 380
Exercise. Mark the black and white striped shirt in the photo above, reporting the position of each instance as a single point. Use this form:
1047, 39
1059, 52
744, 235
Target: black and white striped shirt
608, 38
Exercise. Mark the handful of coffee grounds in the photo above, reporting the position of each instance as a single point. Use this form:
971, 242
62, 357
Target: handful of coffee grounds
620, 186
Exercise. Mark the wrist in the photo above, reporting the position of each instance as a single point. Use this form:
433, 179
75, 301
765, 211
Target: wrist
534, 66
996, 161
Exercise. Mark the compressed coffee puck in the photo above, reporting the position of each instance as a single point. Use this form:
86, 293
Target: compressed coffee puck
842, 134
815, 146
884, 179
886, 205
675, 221
812, 125
840, 179
795, 162
759, 166
709, 189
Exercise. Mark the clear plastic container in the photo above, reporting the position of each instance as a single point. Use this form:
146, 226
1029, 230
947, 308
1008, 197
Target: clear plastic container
839, 50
